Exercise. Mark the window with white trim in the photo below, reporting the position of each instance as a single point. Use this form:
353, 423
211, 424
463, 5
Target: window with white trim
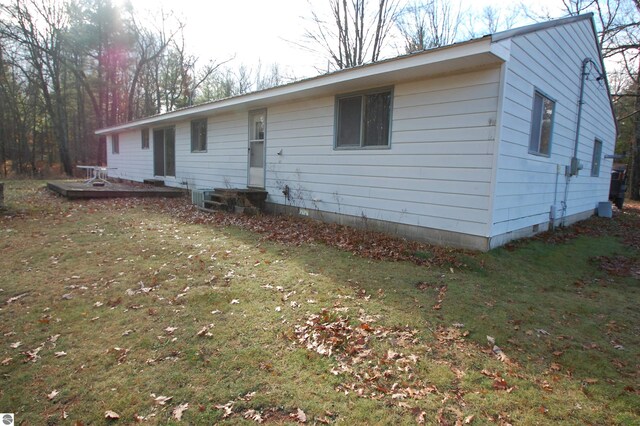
199, 135
144, 134
541, 125
363, 120
115, 143
596, 158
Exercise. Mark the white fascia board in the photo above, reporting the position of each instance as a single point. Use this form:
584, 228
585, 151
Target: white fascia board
502, 49
396, 68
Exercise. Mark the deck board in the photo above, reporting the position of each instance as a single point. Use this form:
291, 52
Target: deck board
78, 189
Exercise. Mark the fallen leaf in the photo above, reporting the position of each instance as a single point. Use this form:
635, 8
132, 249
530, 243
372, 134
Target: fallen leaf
468, 419
15, 345
170, 330
60, 354
6, 361
177, 412
111, 415
14, 298
253, 415
500, 384
301, 416
53, 394
32, 355
491, 340
546, 386
235, 302
204, 331
161, 400
227, 408
499, 354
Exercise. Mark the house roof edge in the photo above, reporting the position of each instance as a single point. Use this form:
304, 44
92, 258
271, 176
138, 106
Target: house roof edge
502, 35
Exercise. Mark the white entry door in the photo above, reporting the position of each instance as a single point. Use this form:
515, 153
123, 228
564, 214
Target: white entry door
257, 139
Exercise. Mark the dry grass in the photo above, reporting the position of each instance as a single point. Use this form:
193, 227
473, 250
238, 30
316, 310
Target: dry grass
115, 304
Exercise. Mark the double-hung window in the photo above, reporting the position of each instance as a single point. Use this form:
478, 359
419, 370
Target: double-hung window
115, 143
199, 135
541, 125
363, 120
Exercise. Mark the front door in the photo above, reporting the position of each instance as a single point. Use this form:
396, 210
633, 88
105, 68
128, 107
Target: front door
257, 139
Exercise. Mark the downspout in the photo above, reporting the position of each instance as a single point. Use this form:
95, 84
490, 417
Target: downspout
575, 166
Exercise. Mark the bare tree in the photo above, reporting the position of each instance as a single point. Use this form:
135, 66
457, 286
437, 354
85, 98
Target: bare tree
149, 47
427, 25
495, 19
353, 31
39, 27
618, 23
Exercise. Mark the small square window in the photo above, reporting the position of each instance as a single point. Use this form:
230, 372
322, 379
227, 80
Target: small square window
115, 144
541, 125
145, 138
363, 120
597, 158
199, 135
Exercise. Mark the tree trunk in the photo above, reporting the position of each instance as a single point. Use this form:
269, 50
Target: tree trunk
634, 167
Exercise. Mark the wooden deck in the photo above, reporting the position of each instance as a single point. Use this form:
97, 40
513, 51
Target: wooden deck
78, 189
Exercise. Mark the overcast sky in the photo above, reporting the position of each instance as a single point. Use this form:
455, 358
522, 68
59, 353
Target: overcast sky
267, 31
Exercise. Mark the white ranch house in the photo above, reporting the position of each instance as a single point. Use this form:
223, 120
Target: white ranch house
469, 145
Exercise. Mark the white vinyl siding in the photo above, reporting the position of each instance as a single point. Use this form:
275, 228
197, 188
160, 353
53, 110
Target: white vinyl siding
549, 60
436, 173
132, 163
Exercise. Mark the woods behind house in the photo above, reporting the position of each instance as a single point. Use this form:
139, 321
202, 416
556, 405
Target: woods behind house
70, 67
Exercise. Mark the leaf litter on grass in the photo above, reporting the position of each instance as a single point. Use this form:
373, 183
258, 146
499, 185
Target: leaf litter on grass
385, 354
373, 361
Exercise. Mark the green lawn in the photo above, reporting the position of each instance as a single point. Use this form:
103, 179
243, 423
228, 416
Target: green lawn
112, 305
